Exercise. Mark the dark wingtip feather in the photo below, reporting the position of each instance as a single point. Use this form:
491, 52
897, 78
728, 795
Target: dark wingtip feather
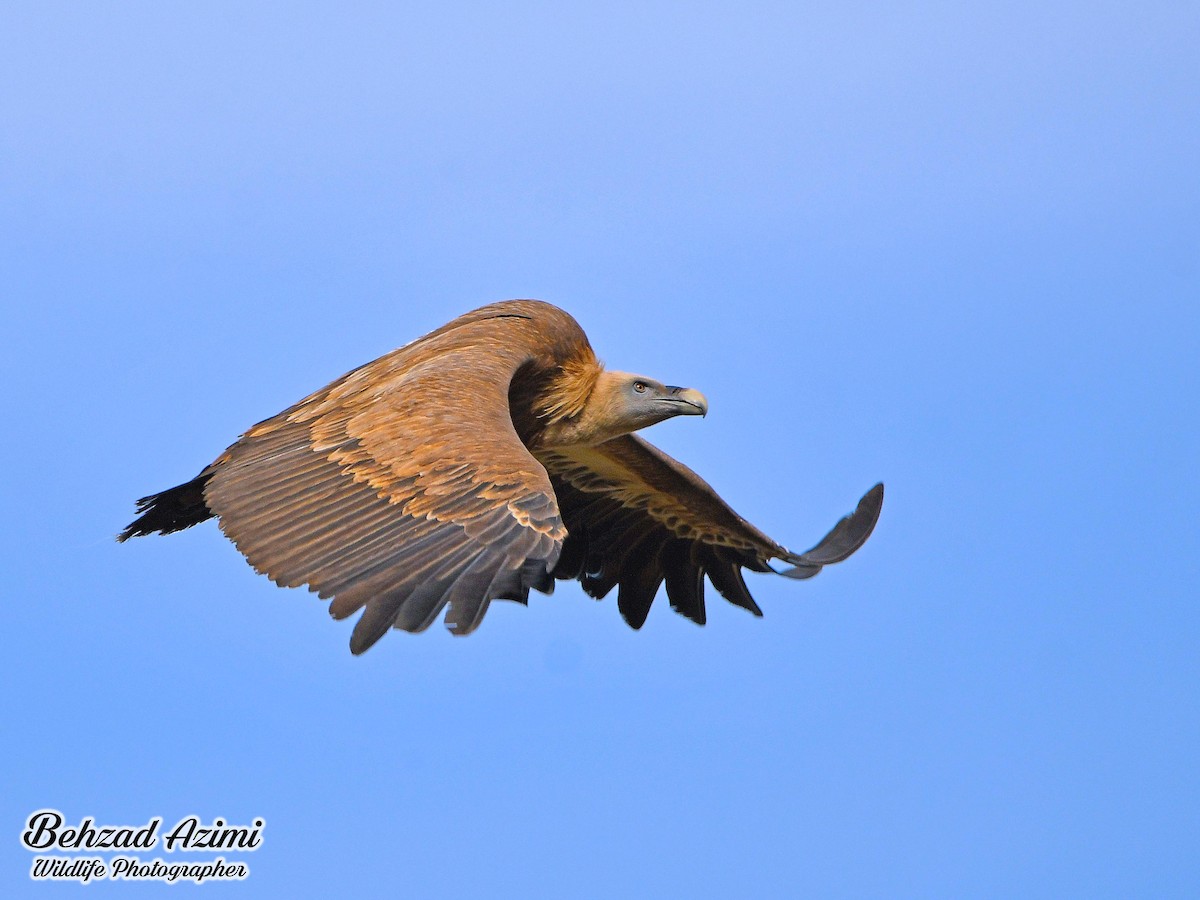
637, 590
726, 577
685, 581
843, 539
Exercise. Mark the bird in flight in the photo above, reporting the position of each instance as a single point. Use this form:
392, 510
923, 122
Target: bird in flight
488, 458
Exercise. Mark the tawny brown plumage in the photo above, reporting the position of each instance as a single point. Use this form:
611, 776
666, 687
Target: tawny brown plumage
487, 458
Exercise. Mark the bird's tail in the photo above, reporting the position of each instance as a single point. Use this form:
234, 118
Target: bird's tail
171, 510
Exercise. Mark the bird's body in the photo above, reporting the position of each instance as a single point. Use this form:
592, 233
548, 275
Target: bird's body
487, 458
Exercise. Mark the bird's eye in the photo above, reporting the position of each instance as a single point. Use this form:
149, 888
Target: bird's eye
640, 387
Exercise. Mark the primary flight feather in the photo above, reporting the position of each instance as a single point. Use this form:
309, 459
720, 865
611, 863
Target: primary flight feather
487, 458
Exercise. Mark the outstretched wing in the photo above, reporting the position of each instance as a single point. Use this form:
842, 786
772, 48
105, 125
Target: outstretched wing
635, 518
402, 487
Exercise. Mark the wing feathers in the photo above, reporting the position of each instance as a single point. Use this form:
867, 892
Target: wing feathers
845, 537
468, 597
685, 580
726, 577
637, 591
635, 518
402, 488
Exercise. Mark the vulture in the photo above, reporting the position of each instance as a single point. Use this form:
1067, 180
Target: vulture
485, 459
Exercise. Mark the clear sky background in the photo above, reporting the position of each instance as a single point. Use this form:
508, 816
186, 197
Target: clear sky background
954, 247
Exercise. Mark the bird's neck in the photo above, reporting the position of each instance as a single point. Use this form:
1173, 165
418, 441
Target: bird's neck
582, 408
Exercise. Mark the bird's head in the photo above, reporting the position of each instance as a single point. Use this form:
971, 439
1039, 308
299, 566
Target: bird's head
594, 405
629, 402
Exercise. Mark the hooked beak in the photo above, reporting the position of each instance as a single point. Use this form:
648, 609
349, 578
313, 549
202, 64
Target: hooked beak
687, 401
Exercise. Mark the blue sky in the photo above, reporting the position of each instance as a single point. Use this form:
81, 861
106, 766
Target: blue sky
949, 247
